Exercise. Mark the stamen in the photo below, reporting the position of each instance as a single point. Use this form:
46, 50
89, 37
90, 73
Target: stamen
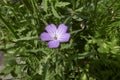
55, 38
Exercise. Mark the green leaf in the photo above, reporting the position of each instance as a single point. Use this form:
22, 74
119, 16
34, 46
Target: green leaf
84, 76
8, 26
17, 70
28, 5
8, 69
25, 39
45, 5
55, 12
61, 4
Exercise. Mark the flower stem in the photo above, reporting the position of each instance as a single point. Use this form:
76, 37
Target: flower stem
56, 60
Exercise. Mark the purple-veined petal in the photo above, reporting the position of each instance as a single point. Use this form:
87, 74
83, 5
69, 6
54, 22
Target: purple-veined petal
64, 37
45, 37
51, 29
62, 29
53, 44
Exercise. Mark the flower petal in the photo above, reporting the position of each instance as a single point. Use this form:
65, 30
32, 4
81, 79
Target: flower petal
53, 44
51, 29
45, 37
62, 29
64, 38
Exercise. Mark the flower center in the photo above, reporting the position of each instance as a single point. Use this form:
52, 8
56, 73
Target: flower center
55, 38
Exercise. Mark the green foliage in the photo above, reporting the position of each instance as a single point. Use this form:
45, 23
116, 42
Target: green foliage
92, 53
102, 71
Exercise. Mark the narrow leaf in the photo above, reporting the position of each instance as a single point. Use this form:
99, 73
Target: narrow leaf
55, 12
45, 5
61, 4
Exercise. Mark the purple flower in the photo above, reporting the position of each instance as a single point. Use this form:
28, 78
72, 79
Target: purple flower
55, 35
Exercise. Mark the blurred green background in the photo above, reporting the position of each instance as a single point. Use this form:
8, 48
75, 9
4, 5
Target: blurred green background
93, 52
